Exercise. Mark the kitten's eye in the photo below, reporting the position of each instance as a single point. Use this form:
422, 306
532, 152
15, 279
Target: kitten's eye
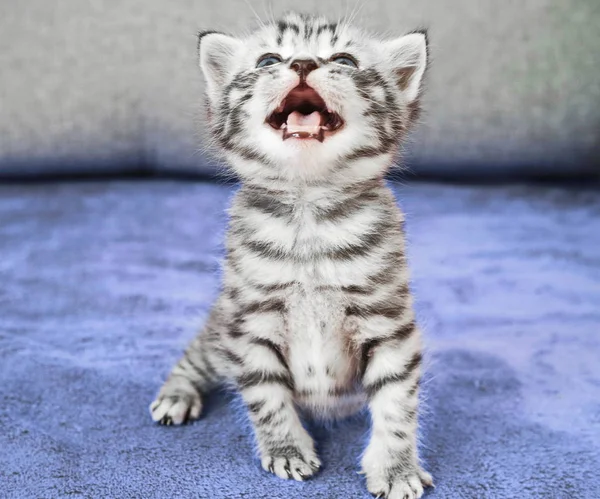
345, 60
268, 60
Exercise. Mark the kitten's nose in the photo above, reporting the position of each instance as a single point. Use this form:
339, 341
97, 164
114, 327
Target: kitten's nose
303, 67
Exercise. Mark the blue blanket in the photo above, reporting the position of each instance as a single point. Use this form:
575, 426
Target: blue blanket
103, 284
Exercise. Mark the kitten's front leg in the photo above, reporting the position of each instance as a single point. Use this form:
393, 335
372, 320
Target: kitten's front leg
266, 385
286, 449
391, 380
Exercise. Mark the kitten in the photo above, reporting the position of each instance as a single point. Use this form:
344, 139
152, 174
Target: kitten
315, 315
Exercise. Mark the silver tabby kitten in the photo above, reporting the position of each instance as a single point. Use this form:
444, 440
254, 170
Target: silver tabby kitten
315, 315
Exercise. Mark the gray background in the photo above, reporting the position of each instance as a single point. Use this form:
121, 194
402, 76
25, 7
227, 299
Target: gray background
514, 86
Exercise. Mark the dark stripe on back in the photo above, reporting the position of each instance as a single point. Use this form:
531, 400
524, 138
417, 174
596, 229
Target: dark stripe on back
274, 287
385, 276
367, 243
235, 329
393, 263
229, 355
389, 310
403, 332
268, 204
359, 290
265, 250
270, 305
414, 388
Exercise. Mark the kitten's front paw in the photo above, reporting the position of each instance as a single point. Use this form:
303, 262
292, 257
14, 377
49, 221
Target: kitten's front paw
396, 482
177, 403
404, 485
290, 461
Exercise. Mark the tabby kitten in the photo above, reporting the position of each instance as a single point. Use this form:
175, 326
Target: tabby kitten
315, 315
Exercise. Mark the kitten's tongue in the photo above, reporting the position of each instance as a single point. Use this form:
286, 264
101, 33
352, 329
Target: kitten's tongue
298, 122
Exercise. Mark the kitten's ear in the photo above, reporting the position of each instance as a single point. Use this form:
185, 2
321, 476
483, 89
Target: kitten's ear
216, 53
408, 57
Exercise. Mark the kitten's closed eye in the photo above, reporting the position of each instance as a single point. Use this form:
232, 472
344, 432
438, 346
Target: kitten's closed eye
345, 60
268, 60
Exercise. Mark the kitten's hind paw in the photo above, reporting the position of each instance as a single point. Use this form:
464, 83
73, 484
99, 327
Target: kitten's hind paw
175, 405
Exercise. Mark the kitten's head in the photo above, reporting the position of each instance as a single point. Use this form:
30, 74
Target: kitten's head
308, 99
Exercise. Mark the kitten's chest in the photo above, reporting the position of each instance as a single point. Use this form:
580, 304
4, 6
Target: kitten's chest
321, 358
317, 254
312, 239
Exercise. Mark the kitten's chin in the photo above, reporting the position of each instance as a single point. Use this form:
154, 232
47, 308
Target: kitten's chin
304, 116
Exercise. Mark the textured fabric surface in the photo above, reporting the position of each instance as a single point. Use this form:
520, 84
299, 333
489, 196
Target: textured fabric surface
513, 86
103, 284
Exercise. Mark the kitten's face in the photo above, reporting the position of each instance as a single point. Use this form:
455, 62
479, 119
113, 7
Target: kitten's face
308, 99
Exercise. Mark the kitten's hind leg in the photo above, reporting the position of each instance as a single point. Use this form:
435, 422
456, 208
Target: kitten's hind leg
197, 372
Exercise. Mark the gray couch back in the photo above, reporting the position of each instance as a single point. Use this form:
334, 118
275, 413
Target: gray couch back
514, 85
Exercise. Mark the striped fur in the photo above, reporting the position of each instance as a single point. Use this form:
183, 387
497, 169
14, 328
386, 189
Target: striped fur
315, 312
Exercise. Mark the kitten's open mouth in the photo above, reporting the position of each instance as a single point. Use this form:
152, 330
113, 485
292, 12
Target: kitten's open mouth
303, 114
